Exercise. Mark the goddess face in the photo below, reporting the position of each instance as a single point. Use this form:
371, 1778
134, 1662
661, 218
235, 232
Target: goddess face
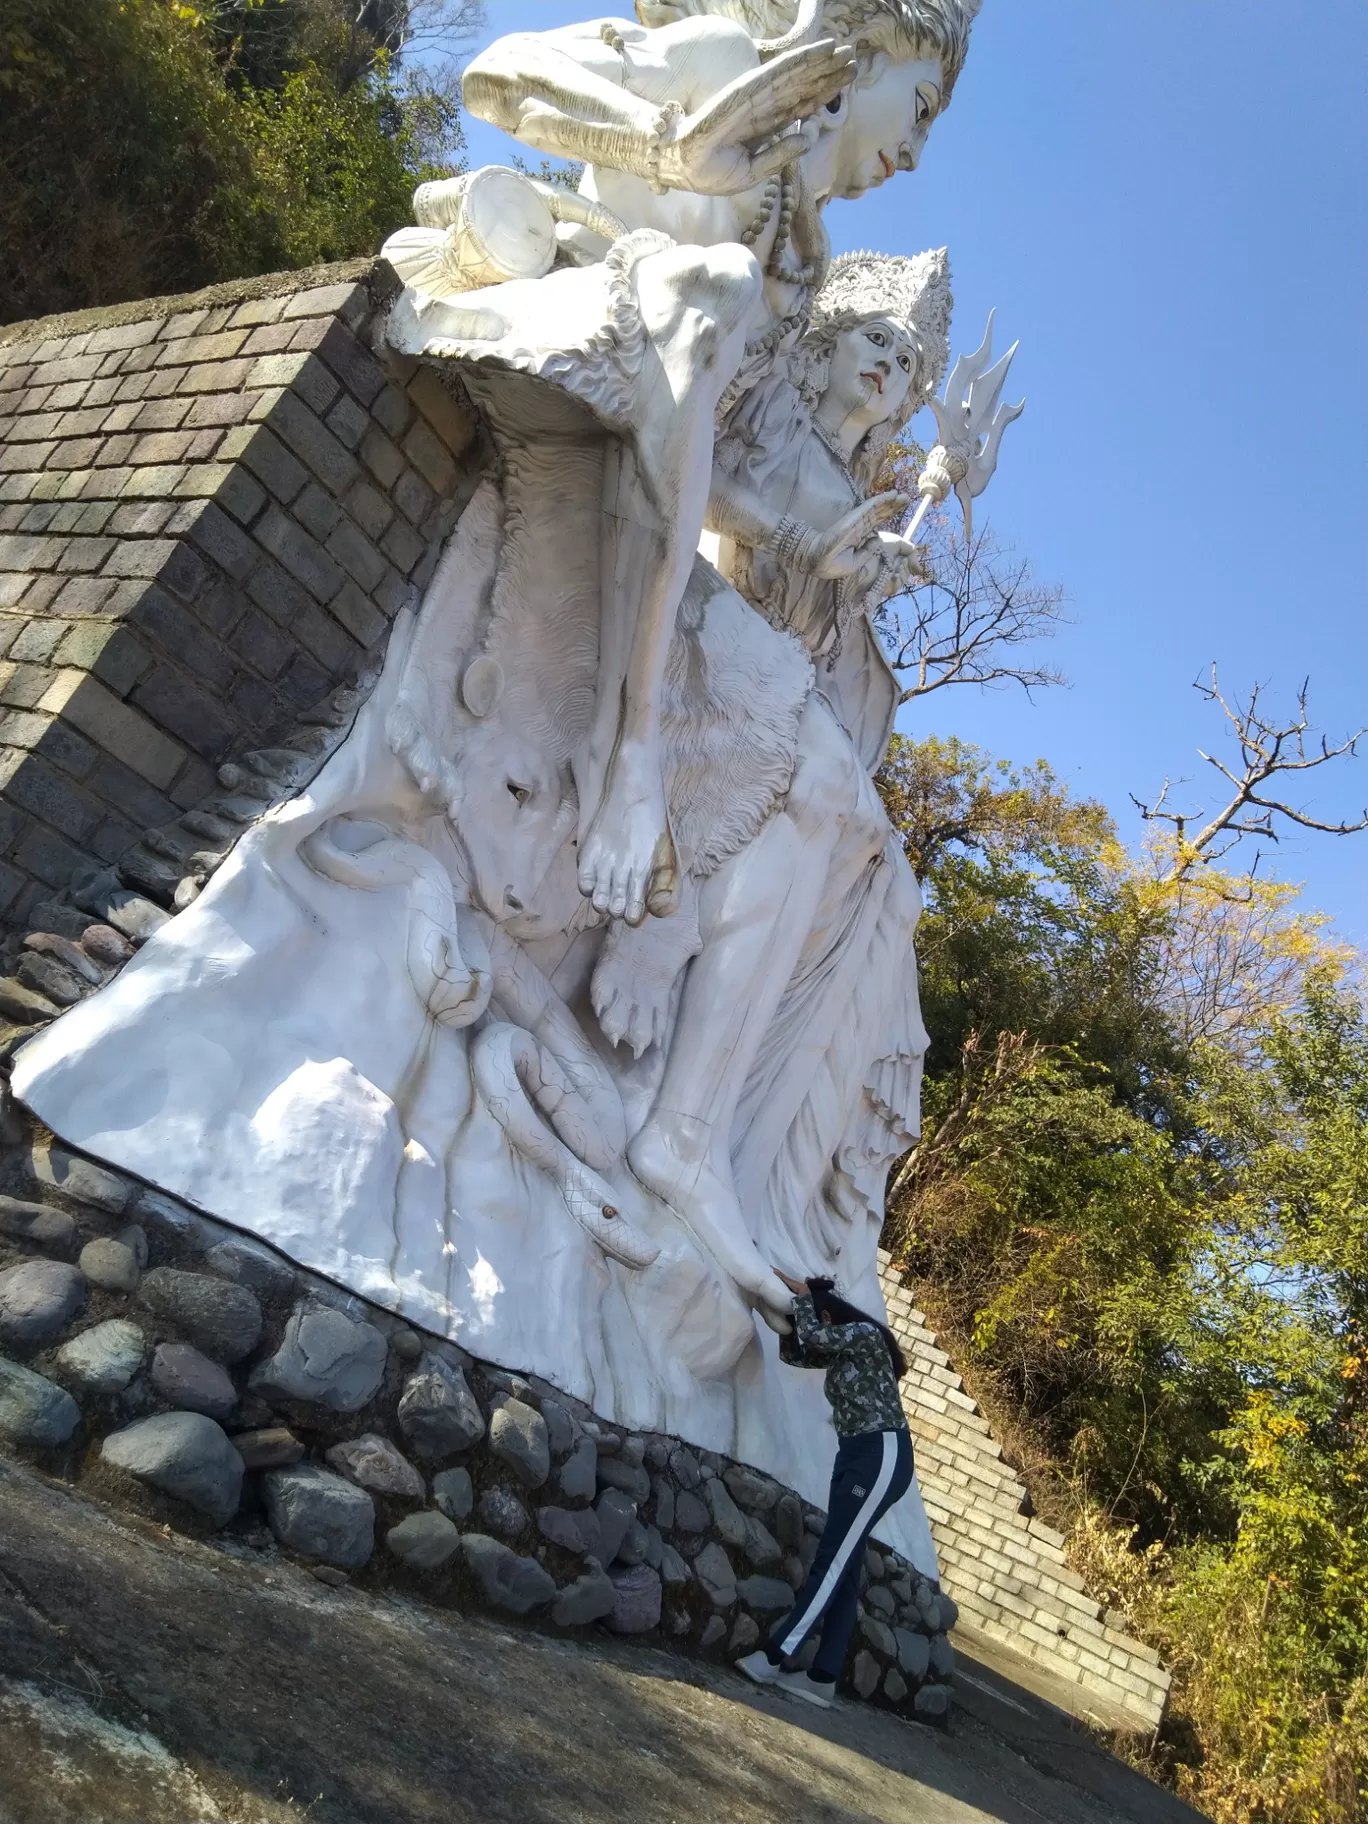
877, 126
873, 366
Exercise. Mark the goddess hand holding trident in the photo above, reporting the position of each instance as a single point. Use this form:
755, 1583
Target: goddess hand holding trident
970, 423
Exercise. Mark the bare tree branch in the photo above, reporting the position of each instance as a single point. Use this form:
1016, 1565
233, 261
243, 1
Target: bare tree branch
968, 623
1268, 750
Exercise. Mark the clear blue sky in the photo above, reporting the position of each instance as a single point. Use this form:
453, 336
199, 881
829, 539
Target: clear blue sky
1167, 200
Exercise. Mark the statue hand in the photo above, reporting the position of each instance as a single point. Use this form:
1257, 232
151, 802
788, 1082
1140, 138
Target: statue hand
749, 130
841, 550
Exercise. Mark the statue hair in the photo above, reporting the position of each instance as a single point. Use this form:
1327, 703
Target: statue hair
902, 28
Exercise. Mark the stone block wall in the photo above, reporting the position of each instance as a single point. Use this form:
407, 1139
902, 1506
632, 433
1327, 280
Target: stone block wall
211, 509
1007, 1572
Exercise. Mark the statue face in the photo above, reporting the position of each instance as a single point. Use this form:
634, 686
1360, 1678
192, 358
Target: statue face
872, 367
877, 126
516, 813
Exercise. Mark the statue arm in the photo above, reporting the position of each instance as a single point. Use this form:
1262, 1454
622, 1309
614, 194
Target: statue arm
712, 118
740, 512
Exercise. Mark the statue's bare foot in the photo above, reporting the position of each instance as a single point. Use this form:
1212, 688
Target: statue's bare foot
668, 1160
627, 860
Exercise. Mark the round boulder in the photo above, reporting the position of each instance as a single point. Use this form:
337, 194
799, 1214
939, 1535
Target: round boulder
38, 1299
185, 1455
320, 1515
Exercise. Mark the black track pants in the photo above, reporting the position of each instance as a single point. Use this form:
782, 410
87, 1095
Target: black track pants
872, 1471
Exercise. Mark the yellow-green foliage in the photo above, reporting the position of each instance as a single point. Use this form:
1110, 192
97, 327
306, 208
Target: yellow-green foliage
1140, 1207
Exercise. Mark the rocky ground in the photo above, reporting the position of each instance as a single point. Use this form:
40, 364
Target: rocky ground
149, 1678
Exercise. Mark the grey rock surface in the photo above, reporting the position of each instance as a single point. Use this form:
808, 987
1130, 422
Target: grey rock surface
684, 1467
630, 1478
185, 1455
948, 1612
942, 1657
663, 1504
38, 1299
560, 1428
438, 1413
914, 1653
879, 1635
324, 1356
713, 1569
894, 1685
588, 1599
788, 1522
574, 1529
406, 1343
425, 1542
186, 1378
518, 1437
320, 1515
750, 1490
633, 1547
373, 1463
768, 1594
866, 1673
714, 1629
221, 1319
691, 1514
931, 1700
879, 1600
578, 1475
453, 1492
502, 1512
615, 1512
33, 1410
250, 1264
504, 1579
674, 1567
761, 1546
744, 1635
104, 1359
267, 1447
109, 1263
52, 1230
636, 1600
726, 1515
56, 1169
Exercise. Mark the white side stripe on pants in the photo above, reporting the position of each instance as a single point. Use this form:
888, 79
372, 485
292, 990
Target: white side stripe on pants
854, 1533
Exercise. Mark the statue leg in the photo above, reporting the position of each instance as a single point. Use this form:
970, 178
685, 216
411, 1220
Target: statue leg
755, 915
696, 306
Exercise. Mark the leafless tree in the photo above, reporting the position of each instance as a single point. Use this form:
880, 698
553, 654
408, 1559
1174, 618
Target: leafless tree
1270, 752
971, 622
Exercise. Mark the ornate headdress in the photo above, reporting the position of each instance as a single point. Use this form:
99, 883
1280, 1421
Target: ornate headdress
913, 290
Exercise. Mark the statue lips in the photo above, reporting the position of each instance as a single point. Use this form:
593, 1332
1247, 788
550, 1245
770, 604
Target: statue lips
877, 380
887, 163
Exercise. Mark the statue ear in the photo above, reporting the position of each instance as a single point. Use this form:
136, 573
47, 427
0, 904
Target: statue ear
482, 686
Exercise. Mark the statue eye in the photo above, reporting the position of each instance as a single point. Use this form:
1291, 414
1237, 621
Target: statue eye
928, 100
836, 103
905, 364
878, 338
521, 793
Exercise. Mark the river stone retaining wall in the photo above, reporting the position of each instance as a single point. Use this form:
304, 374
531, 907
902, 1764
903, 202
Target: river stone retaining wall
165, 1360
1008, 1572
211, 509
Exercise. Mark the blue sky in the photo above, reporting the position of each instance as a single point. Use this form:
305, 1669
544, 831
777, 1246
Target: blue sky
1167, 201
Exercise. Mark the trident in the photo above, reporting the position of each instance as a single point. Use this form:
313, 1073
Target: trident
971, 424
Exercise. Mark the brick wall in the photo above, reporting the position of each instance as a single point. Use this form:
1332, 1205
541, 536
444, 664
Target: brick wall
1007, 1573
211, 508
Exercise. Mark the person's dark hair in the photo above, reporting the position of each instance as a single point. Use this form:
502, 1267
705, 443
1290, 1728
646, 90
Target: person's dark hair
834, 1309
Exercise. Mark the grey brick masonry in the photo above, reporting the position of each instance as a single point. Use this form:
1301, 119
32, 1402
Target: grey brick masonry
1007, 1572
211, 509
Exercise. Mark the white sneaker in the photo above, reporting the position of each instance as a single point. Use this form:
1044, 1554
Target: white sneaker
757, 1666
798, 1684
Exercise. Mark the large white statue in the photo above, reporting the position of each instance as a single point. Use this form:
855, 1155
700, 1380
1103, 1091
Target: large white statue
573, 1112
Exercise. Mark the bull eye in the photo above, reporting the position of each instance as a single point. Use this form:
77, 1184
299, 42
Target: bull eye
521, 793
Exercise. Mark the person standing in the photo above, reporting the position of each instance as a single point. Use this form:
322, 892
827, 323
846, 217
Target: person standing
873, 1469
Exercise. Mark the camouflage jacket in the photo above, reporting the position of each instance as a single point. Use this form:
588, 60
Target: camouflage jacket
860, 1382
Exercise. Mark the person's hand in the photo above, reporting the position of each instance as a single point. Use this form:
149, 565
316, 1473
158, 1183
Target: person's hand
797, 1286
748, 131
